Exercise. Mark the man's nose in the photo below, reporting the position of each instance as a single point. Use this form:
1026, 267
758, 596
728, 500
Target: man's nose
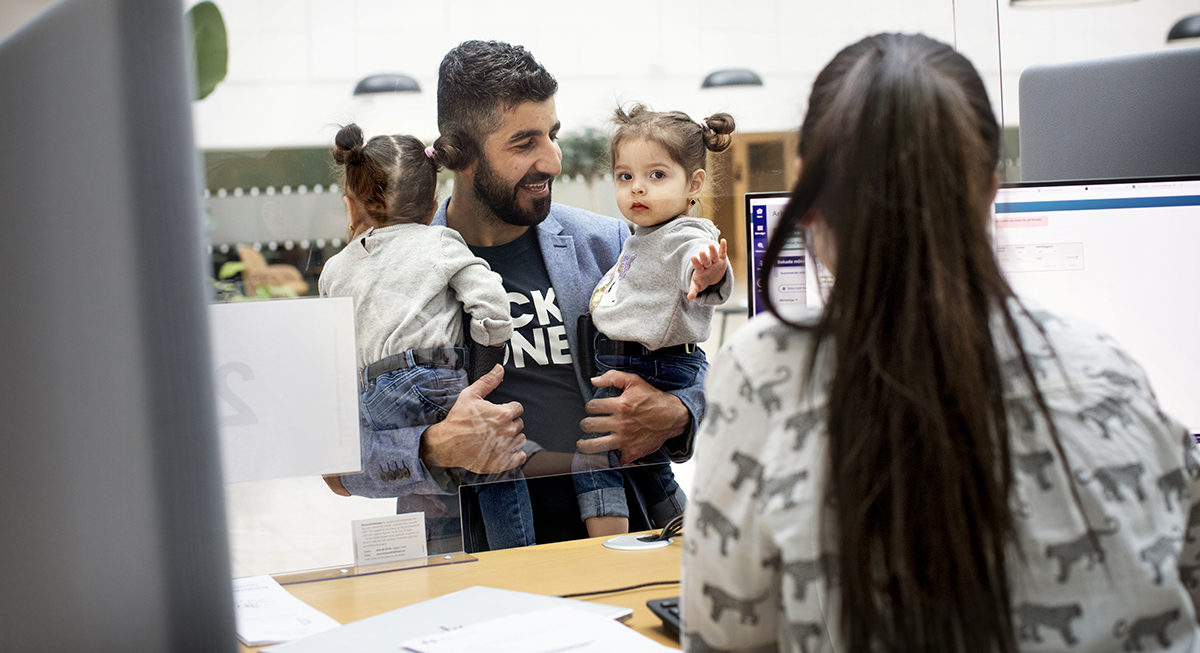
549, 159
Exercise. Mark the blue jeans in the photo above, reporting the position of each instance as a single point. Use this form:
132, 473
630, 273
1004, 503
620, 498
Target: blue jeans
599, 486
418, 395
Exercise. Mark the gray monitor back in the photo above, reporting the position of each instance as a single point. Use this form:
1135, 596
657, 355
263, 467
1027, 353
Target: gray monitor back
111, 510
1129, 116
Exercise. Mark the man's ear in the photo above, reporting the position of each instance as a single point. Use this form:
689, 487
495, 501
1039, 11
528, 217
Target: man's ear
697, 184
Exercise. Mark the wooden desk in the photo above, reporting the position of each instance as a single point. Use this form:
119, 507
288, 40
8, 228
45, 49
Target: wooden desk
554, 569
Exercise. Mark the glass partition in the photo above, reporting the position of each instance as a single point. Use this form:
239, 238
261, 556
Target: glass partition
276, 215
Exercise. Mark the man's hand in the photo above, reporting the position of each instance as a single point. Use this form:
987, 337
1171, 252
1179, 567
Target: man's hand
637, 423
477, 435
708, 267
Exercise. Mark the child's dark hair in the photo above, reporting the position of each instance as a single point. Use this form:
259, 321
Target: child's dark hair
685, 140
390, 176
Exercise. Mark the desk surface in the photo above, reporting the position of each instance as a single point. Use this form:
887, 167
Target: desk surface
553, 569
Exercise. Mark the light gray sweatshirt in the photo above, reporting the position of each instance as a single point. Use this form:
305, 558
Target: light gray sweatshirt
410, 284
643, 298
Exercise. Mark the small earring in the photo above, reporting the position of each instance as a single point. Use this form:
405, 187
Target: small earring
693, 202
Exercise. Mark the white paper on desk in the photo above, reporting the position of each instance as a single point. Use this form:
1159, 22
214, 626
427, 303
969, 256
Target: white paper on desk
563, 628
384, 632
268, 614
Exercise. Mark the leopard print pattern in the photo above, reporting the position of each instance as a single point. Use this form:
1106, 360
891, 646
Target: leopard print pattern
1153, 626
711, 517
1031, 618
1034, 464
802, 632
805, 572
766, 391
1173, 484
722, 601
1108, 409
1164, 548
1112, 479
784, 486
802, 424
1086, 547
748, 469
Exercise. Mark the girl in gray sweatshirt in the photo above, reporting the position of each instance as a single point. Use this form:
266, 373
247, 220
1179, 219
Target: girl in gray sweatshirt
657, 302
411, 283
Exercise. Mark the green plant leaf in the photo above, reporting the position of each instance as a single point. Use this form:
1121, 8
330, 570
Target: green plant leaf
230, 268
210, 47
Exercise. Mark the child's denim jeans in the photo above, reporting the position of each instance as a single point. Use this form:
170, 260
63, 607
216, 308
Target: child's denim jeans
599, 486
424, 394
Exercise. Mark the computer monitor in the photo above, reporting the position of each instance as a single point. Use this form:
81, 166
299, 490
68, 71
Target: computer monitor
1121, 254
110, 491
797, 279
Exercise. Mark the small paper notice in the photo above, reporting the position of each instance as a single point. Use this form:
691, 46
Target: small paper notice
543, 631
268, 614
388, 539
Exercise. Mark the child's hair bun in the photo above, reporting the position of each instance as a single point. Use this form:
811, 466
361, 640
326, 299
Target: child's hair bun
452, 152
348, 145
720, 126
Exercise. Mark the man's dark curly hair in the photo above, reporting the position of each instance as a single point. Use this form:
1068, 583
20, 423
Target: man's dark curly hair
476, 81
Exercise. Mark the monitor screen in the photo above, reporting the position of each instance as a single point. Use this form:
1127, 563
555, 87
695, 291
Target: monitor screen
110, 487
1121, 254
789, 283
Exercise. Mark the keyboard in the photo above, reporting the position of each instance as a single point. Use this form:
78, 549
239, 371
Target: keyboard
668, 611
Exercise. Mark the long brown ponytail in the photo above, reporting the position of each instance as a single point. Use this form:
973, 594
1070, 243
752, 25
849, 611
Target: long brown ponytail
899, 148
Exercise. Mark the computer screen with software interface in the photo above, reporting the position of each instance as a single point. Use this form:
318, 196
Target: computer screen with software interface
797, 279
1123, 255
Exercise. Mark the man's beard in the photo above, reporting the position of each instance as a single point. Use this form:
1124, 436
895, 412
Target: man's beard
501, 198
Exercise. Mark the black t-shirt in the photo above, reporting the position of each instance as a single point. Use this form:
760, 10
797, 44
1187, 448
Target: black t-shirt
538, 369
539, 373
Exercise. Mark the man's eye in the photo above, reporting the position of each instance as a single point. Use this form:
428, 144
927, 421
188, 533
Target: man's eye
525, 146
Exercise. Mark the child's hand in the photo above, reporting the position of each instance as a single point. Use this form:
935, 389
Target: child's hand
708, 267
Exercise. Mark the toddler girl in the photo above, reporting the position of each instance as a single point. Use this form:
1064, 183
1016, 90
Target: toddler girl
411, 283
657, 302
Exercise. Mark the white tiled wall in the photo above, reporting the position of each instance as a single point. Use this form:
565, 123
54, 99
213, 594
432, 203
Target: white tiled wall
293, 63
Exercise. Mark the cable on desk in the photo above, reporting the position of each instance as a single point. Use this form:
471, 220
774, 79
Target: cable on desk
619, 589
672, 529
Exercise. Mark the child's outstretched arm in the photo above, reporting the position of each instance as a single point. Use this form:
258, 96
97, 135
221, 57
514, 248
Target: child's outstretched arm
708, 267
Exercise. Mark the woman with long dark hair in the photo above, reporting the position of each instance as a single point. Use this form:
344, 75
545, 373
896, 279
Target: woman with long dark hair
929, 463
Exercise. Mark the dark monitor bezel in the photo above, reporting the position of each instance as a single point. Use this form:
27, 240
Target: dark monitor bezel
748, 229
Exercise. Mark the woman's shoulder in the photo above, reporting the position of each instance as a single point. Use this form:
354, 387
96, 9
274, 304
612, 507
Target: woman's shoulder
767, 347
1064, 349
766, 333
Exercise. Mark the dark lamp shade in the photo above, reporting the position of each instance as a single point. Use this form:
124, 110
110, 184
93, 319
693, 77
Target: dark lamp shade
1187, 28
732, 77
389, 83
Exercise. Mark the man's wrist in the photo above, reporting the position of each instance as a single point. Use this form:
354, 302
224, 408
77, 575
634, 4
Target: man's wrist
679, 447
683, 420
427, 451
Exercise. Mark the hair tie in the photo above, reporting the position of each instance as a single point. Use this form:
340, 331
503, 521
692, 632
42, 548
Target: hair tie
704, 125
429, 151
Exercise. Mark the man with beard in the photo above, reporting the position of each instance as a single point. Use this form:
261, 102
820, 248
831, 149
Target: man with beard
497, 117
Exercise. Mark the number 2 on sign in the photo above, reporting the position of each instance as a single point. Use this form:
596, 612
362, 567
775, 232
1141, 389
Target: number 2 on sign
245, 415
